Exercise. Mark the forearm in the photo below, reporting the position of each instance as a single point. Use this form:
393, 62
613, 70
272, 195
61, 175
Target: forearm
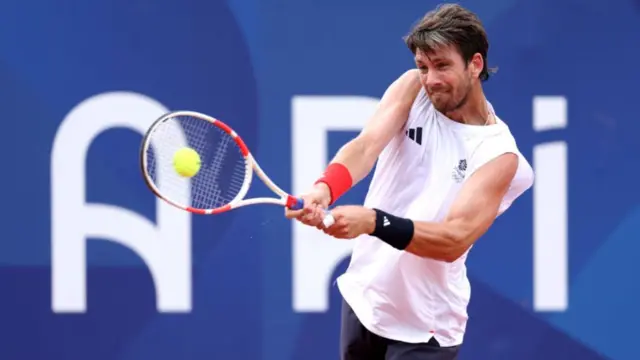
445, 241
354, 160
352, 163
357, 158
440, 241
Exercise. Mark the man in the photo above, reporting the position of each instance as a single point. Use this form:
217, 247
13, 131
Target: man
447, 167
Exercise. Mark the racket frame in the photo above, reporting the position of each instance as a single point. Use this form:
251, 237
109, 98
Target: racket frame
251, 167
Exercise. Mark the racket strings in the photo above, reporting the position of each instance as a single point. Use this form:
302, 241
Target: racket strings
223, 168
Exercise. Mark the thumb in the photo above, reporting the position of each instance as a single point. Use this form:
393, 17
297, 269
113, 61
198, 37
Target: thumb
290, 214
309, 207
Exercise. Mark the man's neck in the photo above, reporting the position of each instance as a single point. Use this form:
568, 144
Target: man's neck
475, 111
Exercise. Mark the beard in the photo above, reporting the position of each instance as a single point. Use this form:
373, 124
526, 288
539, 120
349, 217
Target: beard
451, 99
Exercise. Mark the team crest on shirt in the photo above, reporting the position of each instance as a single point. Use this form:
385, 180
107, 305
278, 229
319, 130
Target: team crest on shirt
459, 171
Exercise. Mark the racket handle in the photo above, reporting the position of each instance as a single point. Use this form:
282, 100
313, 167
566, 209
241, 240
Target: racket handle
298, 203
295, 203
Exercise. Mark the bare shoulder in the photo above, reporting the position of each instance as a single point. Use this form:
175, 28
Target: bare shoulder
505, 171
392, 112
503, 166
411, 75
410, 79
405, 88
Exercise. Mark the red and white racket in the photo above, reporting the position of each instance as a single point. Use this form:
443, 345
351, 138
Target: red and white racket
225, 173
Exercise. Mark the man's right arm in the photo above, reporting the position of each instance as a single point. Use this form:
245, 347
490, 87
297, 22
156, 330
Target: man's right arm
359, 155
355, 159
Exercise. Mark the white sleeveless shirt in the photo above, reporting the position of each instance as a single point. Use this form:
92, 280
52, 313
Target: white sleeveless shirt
396, 294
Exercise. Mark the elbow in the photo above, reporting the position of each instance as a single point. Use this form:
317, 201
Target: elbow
460, 237
447, 254
452, 256
457, 246
447, 248
443, 243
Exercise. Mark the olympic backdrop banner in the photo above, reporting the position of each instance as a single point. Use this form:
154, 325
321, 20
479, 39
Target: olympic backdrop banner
94, 267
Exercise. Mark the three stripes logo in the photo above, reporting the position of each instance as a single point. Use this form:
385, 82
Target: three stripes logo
385, 222
414, 134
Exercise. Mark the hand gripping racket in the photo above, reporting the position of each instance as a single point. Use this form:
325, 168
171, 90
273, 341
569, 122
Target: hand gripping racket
226, 166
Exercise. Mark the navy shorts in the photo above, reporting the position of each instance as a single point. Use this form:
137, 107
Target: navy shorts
358, 343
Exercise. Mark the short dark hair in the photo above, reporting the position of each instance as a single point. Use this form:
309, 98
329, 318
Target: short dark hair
451, 24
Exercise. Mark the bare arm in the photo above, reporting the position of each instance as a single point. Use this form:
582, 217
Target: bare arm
471, 215
360, 154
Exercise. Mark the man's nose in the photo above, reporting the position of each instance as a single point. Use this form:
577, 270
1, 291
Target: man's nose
432, 82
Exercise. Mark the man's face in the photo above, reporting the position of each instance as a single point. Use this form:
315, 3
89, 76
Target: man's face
445, 77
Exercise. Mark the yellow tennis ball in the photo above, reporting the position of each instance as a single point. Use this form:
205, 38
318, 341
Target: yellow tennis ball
186, 162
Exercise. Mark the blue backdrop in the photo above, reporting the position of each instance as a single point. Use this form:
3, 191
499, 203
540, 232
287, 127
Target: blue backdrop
70, 69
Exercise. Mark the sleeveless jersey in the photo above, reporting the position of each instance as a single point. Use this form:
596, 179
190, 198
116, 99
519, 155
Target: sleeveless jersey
396, 294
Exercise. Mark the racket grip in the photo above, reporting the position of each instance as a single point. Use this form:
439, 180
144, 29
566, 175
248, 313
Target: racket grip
296, 204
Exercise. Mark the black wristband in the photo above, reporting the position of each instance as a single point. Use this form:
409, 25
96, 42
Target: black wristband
393, 230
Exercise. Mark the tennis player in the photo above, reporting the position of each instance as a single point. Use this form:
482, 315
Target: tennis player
447, 167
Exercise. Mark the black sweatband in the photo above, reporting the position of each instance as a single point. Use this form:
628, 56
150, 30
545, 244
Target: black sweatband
393, 230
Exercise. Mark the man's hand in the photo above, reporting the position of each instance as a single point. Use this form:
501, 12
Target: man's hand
315, 201
351, 221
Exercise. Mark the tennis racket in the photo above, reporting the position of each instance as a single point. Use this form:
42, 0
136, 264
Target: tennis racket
226, 166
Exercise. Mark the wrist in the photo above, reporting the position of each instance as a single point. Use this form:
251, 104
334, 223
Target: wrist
324, 191
394, 230
337, 179
370, 225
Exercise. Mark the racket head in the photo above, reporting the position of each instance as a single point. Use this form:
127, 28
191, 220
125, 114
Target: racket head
225, 162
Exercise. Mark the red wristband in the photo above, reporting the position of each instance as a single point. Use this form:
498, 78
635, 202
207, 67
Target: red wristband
338, 179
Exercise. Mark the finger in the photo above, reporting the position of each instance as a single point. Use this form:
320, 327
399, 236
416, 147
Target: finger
310, 219
346, 234
292, 214
309, 206
318, 215
305, 215
307, 220
320, 225
298, 214
334, 230
342, 230
339, 234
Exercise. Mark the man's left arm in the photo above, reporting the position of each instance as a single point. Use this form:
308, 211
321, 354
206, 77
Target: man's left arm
472, 213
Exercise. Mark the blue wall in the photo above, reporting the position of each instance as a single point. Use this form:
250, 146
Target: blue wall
245, 62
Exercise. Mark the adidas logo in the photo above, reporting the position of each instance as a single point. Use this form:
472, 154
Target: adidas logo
385, 221
415, 134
